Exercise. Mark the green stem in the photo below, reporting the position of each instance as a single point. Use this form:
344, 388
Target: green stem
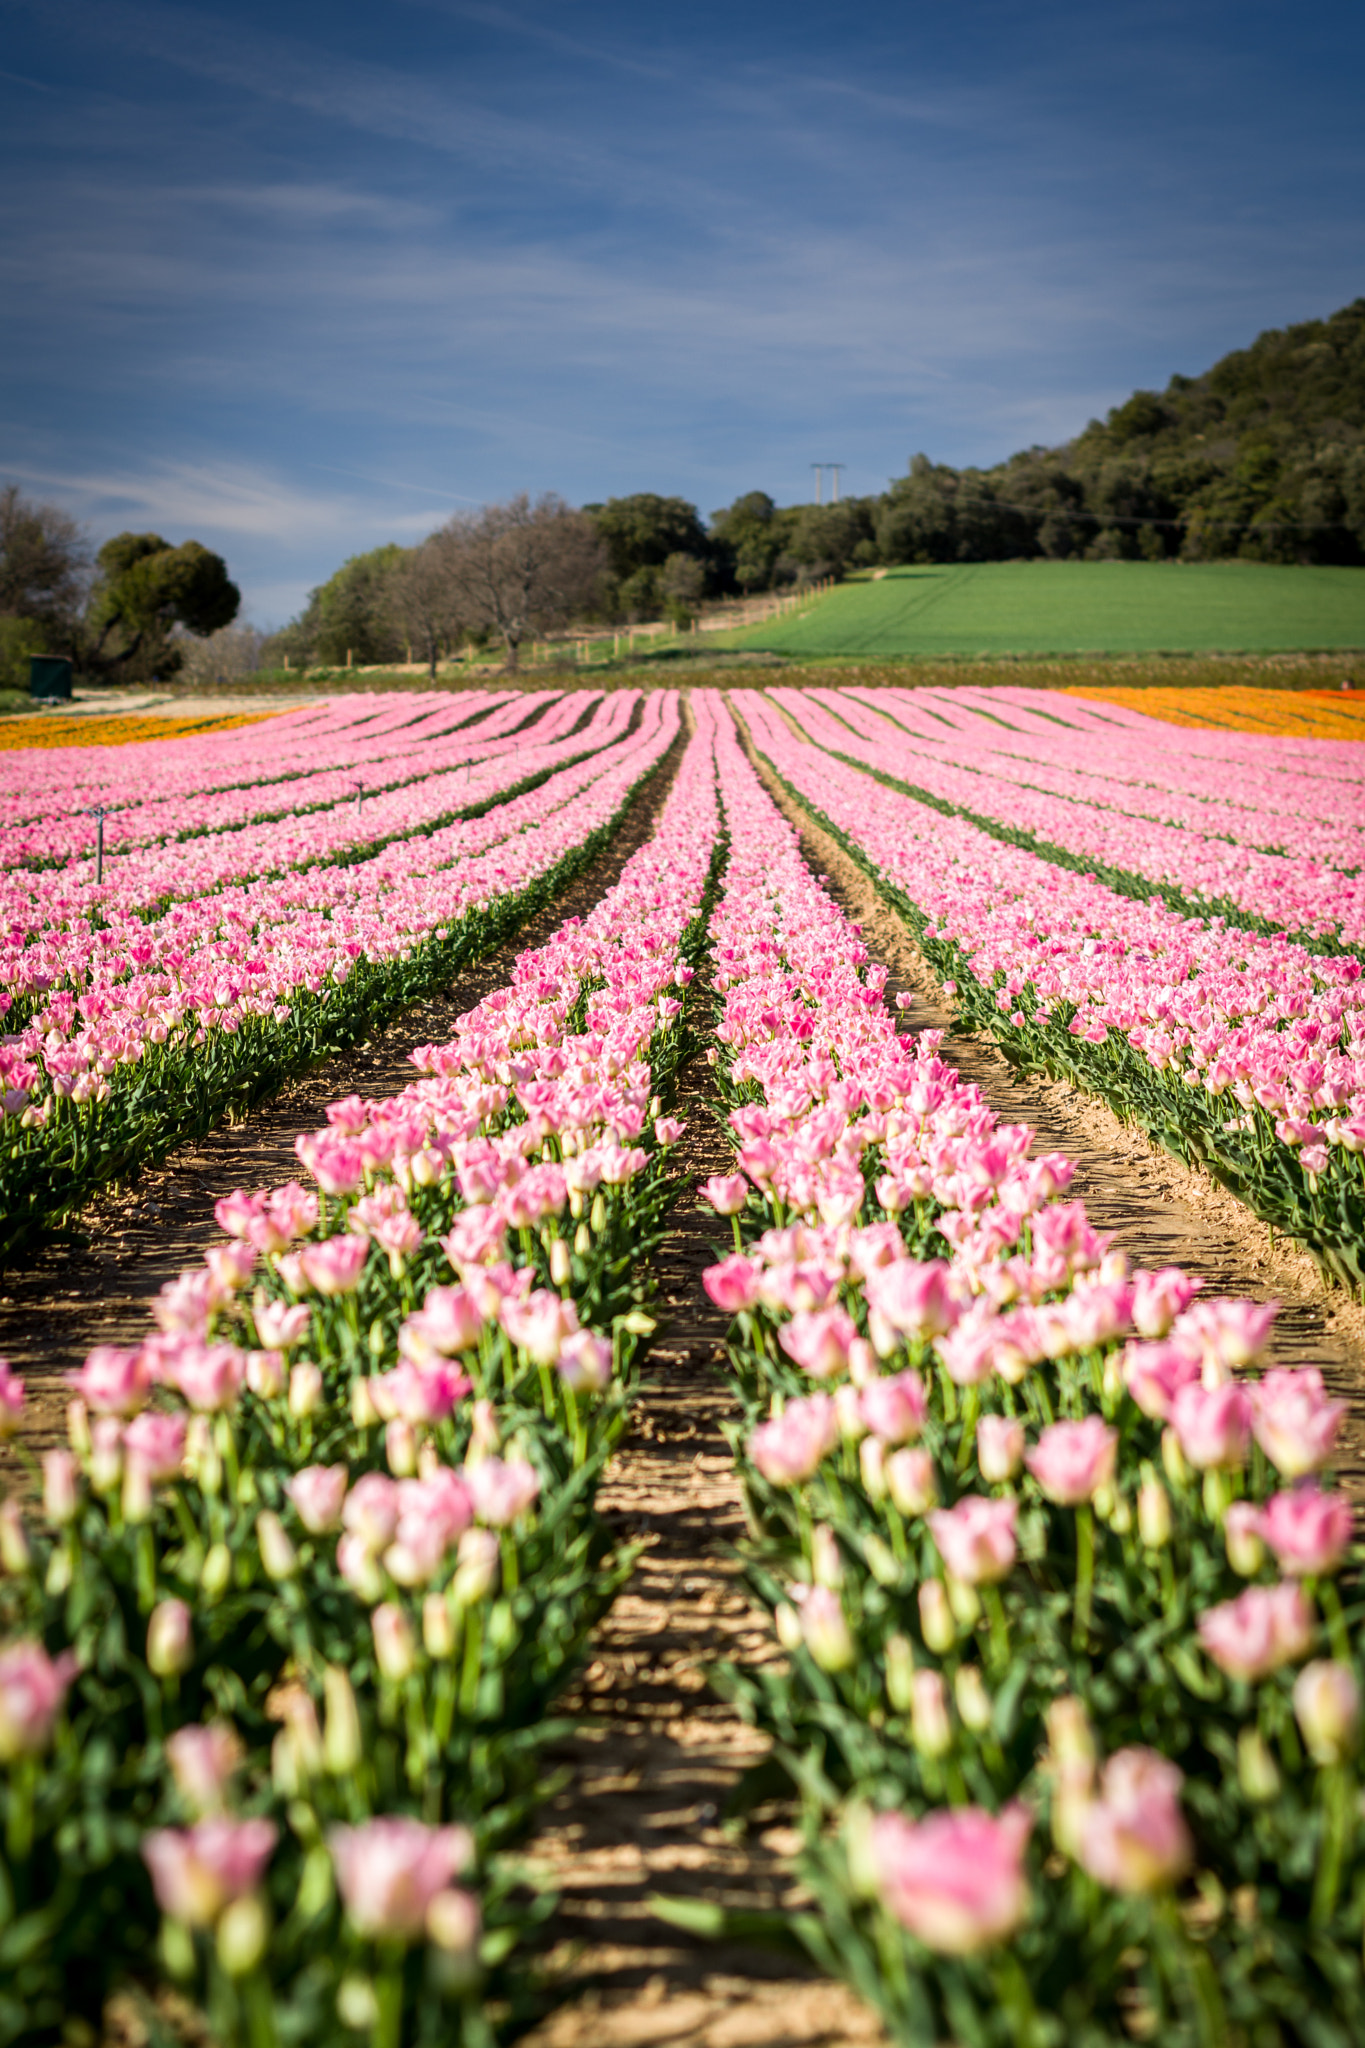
1337, 1798
1085, 1575
1336, 1621
388, 2026
19, 1825
999, 1626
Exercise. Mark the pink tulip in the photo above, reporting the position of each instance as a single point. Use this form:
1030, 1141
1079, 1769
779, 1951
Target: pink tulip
281, 1325
418, 1396
1260, 1630
1133, 1837
1294, 1422
229, 1266
1072, 1460
818, 1341
319, 1494
334, 1267
726, 1193
971, 1351
788, 1449
447, 1322
1308, 1531
265, 1374
32, 1689
156, 1441
202, 1762
501, 1491
954, 1879
911, 1481
1158, 1298
894, 1407
11, 1401
395, 1647
1155, 1373
824, 1628
585, 1362
170, 1639
210, 1376
236, 1213
1213, 1426
1231, 1333
370, 1513
389, 1871
540, 1324
198, 1871
733, 1284
976, 1538
912, 1299
114, 1380
999, 1448
1327, 1707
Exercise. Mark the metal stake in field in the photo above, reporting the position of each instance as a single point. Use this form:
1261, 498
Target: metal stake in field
96, 811
359, 789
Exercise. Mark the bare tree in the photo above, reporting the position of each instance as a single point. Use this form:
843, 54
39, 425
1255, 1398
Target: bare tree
427, 596
44, 566
525, 568
222, 657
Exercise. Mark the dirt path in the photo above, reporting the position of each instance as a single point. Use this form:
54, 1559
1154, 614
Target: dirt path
1161, 1213
657, 1754
95, 1287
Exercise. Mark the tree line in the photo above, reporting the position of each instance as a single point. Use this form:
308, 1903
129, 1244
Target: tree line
1261, 458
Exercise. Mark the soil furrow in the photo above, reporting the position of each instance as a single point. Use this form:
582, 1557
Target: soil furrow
657, 1755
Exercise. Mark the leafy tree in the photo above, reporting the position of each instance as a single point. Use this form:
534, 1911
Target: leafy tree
642, 531
682, 581
747, 540
525, 567
145, 589
351, 615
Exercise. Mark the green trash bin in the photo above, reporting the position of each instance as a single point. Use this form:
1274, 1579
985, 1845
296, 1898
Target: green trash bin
49, 675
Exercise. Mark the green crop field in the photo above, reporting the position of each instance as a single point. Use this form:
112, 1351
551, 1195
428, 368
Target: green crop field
1074, 608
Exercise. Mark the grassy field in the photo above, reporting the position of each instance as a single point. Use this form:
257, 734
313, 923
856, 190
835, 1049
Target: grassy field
1074, 608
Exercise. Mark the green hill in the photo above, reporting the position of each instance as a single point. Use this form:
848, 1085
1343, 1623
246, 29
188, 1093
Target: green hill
1074, 608
1262, 458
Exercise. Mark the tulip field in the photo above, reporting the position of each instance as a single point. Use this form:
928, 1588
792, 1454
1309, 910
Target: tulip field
1067, 1710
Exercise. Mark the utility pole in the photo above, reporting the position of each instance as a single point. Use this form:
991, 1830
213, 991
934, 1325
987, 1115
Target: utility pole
836, 467
819, 469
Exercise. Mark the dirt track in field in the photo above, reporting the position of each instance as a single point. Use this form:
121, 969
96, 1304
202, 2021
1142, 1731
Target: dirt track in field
657, 1754
1161, 1212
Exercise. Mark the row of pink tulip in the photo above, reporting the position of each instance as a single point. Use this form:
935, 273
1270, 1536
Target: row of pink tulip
1224, 774
165, 1000
295, 742
202, 788
511, 1168
974, 1526
1259, 1021
139, 881
1294, 891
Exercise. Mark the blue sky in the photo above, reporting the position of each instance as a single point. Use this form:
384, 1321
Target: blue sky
303, 277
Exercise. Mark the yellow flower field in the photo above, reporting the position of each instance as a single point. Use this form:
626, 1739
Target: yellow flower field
117, 731
1240, 707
